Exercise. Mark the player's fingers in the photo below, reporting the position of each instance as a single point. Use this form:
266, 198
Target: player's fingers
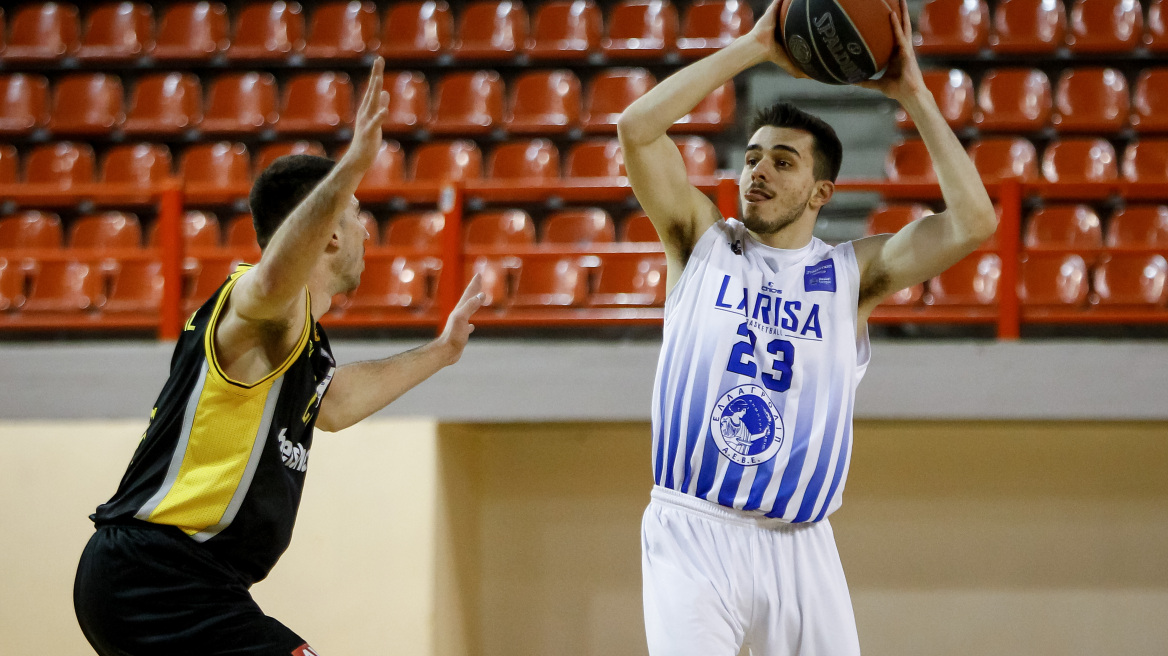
905, 16
374, 88
472, 288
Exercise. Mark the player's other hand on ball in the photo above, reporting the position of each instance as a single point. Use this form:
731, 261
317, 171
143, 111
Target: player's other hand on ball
764, 32
458, 326
902, 79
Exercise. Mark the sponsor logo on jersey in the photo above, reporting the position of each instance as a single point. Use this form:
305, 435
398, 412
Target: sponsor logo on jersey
820, 277
747, 426
736, 246
293, 454
304, 650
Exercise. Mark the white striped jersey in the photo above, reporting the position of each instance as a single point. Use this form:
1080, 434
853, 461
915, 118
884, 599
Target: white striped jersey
752, 404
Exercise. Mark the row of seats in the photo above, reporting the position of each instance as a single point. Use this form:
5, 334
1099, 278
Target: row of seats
964, 28
464, 103
1082, 100
488, 30
1069, 161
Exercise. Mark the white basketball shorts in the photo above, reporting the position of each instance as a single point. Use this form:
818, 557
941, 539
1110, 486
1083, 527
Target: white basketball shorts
717, 579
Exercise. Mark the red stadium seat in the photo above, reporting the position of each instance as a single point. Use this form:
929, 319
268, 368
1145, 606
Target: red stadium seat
714, 113
165, 104
63, 165
42, 33
638, 227
409, 102
447, 161
343, 31
1080, 160
31, 229
537, 159
1146, 161
568, 30
1150, 105
1064, 227
610, 93
191, 31
909, 161
143, 166
544, 102
8, 164
498, 276
1135, 226
216, 168
598, 158
59, 286
626, 281
387, 171
579, 227
972, 281
1052, 280
136, 288
491, 30
316, 103
272, 152
12, 277
1001, 158
698, 155
952, 27
24, 103
500, 228
468, 103
710, 25
891, 218
1092, 100
640, 29
551, 282
416, 31
267, 31
1013, 100
416, 230
240, 104
241, 233
1133, 280
403, 282
1028, 27
1155, 31
204, 277
953, 91
199, 230
117, 32
106, 230
87, 104
1105, 26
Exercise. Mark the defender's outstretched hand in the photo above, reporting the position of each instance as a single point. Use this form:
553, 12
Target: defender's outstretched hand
370, 115
764, 32
902, 79
458, 326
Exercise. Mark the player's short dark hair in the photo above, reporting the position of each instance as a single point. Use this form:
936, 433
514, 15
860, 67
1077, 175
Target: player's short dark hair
829, 152
281, 187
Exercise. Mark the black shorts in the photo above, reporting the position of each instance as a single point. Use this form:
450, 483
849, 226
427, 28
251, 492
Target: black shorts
145, 590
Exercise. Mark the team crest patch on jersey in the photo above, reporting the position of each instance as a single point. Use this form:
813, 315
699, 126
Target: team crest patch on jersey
747, 426
820, 277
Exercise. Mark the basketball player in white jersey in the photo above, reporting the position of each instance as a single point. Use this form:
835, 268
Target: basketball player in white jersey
765, 342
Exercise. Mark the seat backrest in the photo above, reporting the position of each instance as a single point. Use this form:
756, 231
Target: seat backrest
12, 277
1139, 226
1134, 279
165, 103
641, 28
106, 230
118, 31
1028, 27
891, 218
544, 102
87, 104
952, 88
1150, 101
241, 103
388, 168
241, 232
409, 101
199, 230
551, 282
1080, 160
141, 165
1146, 160
1001, 158
191, 31
403, 282
972, 281
24, 103
1074, 227
1156, 29
43, 32
491, 29
952, 27
218, 164
714, 113
63, 286
1013, 100
630, 281
1105, 26
31, 229
9, 164
1053, 279
415, 230
566, 29
63, 164
451, 160
316, 102
500, 228
536, 159
469, 102
136, 287
638, 227
610, 92
598, 158
709, 25
342, 30
416, 30
1091, 99
266, 31
909, 161
698, 155
271, 152
579, 226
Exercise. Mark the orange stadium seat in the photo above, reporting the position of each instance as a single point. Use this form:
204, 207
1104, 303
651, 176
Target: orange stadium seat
42, 33
565, 30
953, 91
500, 228
240, 103
952, 27
640, 29
468, 103
610, 93
891, 218
59, 286
579, 227
117, 32
106, 230
447, 161
698, 155
709, 25
1155, 31
1013, 100
141, 165
403, 282
87, 104
598, 158
626, 281
409, 102
23, 103
62, 164
216, 167
1146, 161
1092, 100
191, 31
387, 170
199, 230
1053, 280
267, 31
1138, 226
1064, 228
136, 288
972, 281
241, 233
31, 229
316, 103
8, 164
1028, 27
165, 104
416, 31
12, 277
369, 222
1001, 158
544, 102
491, 30
1150, 104
1134, 280
638, 227
342, 31
271, 152
1080, 160
203, 277
551, 282
498, 276
909, 161
537, 159
416, 230
714, 113
1105, 26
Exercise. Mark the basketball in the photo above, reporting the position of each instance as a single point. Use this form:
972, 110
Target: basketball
837, 41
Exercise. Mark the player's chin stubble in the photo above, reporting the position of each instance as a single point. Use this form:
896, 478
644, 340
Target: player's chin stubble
752, 219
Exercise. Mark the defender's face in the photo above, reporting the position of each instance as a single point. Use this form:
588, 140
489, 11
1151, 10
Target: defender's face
350, 260
777, 178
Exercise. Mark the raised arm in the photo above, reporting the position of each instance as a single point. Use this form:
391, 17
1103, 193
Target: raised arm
924, 248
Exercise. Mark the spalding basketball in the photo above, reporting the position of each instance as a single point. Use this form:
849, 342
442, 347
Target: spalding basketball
837, 41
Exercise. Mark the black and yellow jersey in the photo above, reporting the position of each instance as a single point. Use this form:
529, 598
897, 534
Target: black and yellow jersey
222, 461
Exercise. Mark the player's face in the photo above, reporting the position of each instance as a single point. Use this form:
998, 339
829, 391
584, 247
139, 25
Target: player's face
350, 259
777, 179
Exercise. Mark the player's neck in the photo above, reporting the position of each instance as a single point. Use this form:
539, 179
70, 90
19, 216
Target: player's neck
792, 237
321, 294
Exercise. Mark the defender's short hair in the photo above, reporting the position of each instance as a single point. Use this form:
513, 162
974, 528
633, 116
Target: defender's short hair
281, 187
829, 152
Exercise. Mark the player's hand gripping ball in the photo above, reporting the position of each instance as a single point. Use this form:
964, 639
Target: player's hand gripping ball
837, 41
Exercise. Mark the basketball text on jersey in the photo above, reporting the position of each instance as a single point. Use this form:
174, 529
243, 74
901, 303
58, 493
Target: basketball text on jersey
293, 454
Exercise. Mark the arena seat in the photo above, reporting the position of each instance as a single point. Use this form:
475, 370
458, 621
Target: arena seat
316, 103
24, 103
715, 113
9, 163
403, 283
143, 166
1137, 226
444, 161
1064, 228
106, 230
63, 164
500, 228
416, 31
1138, 280
491, 30
409, 102
136, 288
1150, 102
544, 102
1080, 160
1028, 27
698, 156
1146, 161
1091, 100
909, 161
468, 103
551, 282
565, 30
87, 104
386, 172
165, 104
498, 276
60, 286
1105, 26
1001, 158
710, 25
240, 104
211, 169
271, 152
241, 234
191, 32
630, 282
597, 158
117, 32
1155, 31
609, 93
1053, 280
972, 281
12, 277
640, 29
579, 227
31, 229
536, 159
637, 227
199, 230
267, 32
890, 219
415, 230
953, 90
1013, 100
343, 31
952, 27
42, 33
203, 277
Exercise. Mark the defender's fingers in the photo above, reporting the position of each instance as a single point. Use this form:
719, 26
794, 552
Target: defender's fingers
374, 88
472, 288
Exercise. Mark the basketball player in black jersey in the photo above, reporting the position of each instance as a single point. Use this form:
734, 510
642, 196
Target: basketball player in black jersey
208, 502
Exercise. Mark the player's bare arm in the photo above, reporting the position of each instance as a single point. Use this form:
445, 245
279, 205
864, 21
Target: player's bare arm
924, 248
362, 388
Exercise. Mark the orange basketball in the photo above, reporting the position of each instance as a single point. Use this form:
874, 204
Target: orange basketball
837, 41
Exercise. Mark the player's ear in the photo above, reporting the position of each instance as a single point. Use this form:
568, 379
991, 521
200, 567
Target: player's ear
334, 244
824, 190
